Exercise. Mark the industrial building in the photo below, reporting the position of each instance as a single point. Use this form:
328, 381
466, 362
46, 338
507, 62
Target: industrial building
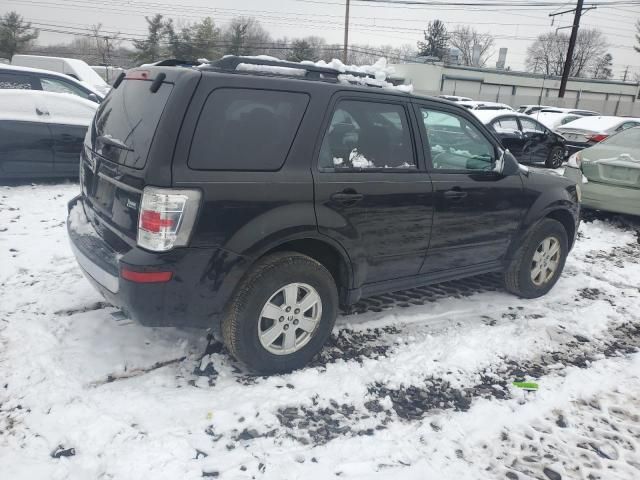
610, 97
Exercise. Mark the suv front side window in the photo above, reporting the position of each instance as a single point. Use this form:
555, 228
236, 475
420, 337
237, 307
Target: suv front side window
456, 144
367, 135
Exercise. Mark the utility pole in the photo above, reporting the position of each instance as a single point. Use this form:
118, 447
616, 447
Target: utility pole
626, 72
572, 42
346, 33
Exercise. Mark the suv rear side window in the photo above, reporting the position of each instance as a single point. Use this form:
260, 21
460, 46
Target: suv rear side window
245, 129
15, 81
367, 135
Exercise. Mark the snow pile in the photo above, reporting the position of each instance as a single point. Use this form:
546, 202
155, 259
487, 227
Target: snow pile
250, 67
380, 71
415, 392
358, 160
79, 223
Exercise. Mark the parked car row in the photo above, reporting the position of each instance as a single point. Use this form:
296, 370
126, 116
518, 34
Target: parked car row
527, 139
544, 134
44, 115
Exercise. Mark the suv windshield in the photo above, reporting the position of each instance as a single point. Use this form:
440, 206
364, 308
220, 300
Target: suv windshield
126, 122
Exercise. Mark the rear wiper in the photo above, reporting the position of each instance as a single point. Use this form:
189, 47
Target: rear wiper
114, 142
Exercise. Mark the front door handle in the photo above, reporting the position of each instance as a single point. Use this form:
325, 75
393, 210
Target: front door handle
347, 197
455, 193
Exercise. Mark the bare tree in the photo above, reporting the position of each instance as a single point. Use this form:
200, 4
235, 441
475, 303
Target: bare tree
475, 48
636, 47
105, 44
548, 52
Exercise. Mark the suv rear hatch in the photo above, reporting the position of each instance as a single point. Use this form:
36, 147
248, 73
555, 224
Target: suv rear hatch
130, 144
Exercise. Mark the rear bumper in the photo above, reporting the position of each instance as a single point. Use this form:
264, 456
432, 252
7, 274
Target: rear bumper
603, 196
573, 147
203, 278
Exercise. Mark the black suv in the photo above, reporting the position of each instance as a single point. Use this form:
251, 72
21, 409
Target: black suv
257, 197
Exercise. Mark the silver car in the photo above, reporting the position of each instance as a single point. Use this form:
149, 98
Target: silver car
608, 174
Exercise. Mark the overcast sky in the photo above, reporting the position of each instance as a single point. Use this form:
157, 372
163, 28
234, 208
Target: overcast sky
373, 24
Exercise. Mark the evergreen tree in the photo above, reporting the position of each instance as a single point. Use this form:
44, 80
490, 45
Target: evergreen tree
204, 36
301, 50
15, 34
150, 49
436, 41
602, 68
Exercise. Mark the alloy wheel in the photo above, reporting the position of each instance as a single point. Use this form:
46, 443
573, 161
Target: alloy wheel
545, 261
289, 318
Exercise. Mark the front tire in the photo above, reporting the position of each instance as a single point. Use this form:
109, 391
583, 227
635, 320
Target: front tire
538, 263
281, 314
555, 157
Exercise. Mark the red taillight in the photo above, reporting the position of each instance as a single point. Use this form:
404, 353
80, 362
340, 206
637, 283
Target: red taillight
153, 221
598, 137
137, 75
145, 277
166, 217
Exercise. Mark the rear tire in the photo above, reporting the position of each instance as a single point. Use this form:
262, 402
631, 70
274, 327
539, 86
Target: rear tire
275, 287
555, 158
537, 265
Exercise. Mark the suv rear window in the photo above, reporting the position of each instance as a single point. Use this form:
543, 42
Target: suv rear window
129, 117
245, 129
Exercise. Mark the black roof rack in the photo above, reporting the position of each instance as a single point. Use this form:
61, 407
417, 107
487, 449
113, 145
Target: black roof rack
175, 62
230, 63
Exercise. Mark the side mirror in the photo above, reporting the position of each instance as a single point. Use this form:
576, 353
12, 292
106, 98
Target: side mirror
506, 164
93, 97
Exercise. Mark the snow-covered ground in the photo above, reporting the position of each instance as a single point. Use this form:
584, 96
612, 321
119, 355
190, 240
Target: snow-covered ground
422, 390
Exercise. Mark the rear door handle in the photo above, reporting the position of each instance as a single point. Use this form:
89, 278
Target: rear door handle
347, 197
455, 194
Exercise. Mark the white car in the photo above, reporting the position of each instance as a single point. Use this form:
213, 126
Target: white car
554, 117
455, 98
69, 66
588, 131
479, 105
42, 133
25, 78
529, 109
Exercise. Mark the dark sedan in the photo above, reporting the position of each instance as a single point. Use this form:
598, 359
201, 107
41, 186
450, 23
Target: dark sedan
527, 139
41, 133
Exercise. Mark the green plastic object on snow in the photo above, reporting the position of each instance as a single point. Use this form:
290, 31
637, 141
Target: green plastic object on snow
529, 386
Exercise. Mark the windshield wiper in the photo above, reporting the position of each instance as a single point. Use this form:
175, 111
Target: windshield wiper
114, 142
